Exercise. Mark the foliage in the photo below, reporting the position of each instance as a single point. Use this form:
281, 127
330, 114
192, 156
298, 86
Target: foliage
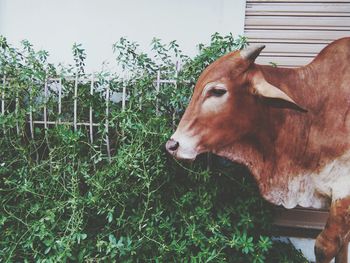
62, 200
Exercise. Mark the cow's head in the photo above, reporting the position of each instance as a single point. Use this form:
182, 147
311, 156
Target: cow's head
226, 105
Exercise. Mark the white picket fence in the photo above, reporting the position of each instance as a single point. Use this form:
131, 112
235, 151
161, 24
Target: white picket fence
57, 82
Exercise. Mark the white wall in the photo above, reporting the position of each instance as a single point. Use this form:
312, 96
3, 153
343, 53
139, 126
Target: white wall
56, 25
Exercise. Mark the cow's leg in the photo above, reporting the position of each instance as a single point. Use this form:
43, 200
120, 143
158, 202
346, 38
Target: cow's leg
332, 241
342, 254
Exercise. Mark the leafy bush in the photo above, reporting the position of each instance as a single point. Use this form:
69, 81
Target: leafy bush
62, 200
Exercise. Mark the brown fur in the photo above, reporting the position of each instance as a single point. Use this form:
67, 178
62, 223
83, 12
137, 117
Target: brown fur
276, 139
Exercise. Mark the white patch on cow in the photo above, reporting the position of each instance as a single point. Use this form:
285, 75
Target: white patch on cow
300, 191
187, 145
211, 85
214, 104
315, 189
334, 179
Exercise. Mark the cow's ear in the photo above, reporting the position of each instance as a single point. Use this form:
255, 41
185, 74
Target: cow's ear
271, 93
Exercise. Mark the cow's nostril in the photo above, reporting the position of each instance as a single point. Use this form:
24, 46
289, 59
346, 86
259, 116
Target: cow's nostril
172, 145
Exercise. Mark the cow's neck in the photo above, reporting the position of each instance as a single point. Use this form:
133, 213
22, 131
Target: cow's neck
277, 153
290, 148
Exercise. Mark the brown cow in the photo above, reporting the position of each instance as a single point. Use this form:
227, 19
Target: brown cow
290, 127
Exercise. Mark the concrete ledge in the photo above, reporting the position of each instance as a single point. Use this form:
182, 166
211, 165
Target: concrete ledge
299, 217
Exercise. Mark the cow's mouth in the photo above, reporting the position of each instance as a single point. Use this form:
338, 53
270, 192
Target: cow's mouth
180, 152
184, 158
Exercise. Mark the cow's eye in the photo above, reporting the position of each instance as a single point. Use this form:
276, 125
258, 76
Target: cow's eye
217, 92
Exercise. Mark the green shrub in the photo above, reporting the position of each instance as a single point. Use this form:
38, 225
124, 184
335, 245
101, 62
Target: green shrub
63, 201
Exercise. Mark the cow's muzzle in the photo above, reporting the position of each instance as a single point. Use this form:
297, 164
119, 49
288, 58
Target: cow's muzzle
172, 146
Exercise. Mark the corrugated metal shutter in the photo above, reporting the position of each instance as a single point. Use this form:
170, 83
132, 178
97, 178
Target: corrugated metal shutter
294, 31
